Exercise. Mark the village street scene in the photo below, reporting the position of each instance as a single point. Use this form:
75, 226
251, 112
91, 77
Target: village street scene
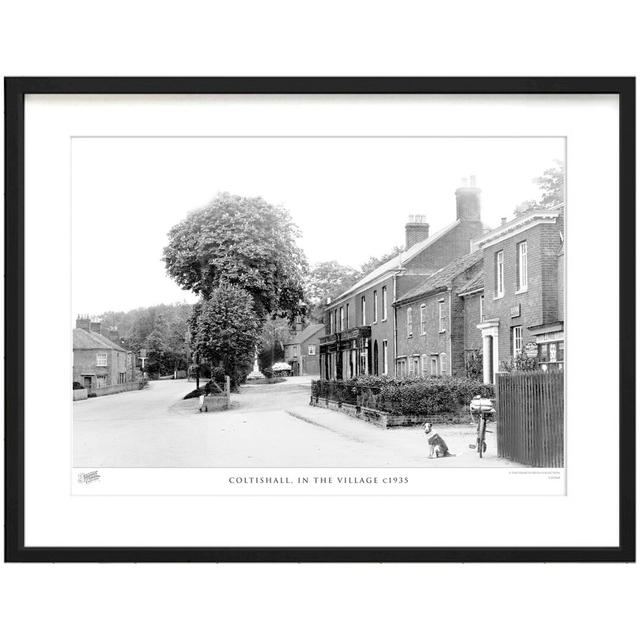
446, 350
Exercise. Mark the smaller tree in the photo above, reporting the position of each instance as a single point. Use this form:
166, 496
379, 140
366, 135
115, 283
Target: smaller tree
225, 330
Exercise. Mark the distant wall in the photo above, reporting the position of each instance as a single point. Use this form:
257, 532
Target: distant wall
115, 388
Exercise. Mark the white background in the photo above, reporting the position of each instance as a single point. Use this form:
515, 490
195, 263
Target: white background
54, 518
462, 38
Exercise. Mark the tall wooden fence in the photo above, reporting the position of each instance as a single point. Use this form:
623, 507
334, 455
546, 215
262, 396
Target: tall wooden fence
530, 416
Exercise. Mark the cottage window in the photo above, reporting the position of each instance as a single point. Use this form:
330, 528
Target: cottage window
385, 357
434, 365
423, 319
409, 322
347, 316
499, 266
424, 365
312, 350
122, 378
384, 303
481, 308
295, 350
341, 318
411, 367
363, 310
516, 333
101, 382
442, 317
101, 359
375, 306
335, 319
521, 266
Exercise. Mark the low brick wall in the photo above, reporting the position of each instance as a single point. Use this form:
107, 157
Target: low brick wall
114, 388
388, 420
80, 394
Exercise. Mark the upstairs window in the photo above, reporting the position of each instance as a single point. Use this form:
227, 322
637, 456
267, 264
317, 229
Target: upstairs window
442, 317
423, 319
384, 303
347, 316
375, 306
363, 310
521, 266
409, 322
499, 268
341, 318
481, 308
312, 349
101, 359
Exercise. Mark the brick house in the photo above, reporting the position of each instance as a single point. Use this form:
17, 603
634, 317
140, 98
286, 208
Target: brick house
472, 295
523, 309
97, 361
302, 350
361, 324
432, 335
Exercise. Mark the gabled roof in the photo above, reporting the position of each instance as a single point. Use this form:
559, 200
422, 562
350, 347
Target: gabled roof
394, 264
83, 339
475, 284
443, 277
518, 224
305, 334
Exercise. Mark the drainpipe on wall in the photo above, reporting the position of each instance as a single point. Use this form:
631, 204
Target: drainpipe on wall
450, 325
395, 325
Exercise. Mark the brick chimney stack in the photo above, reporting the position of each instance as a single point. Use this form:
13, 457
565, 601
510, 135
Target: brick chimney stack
83, 322
468, 200
416, 230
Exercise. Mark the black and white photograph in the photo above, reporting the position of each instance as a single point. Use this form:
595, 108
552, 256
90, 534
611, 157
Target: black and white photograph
310, 302
352, 314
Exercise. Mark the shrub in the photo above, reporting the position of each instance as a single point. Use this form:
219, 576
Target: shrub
519, 363
143, 384
77, 385
405, 396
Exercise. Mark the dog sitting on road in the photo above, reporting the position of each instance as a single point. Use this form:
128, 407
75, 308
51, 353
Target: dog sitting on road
437, 446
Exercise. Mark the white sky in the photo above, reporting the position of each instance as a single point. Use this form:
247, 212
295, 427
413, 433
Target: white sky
349, 196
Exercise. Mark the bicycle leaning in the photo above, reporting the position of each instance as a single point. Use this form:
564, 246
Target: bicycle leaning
482, 409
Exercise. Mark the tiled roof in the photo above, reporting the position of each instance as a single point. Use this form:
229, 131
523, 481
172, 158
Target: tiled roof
398, 262
474, 284
442, 277
305, 334
83, 339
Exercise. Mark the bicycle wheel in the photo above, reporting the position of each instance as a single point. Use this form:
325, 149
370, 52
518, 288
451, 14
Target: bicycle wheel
482, 447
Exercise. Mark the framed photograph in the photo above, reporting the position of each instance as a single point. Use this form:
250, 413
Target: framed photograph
320, 319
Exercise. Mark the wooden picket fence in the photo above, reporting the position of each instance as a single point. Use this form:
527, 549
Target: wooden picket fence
530, 417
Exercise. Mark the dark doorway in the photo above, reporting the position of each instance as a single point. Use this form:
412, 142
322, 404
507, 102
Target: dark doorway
375, 358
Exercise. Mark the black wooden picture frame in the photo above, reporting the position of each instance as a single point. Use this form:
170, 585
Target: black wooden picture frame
15, 91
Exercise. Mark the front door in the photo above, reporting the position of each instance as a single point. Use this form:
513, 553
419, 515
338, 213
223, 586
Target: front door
86, 383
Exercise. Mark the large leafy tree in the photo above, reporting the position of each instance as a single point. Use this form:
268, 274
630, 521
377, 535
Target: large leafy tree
243, 242
225, 330
551, 184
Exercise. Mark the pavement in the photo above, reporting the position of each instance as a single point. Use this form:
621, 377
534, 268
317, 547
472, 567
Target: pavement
267, 426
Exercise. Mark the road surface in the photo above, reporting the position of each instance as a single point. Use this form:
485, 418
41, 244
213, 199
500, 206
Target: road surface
268, 426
